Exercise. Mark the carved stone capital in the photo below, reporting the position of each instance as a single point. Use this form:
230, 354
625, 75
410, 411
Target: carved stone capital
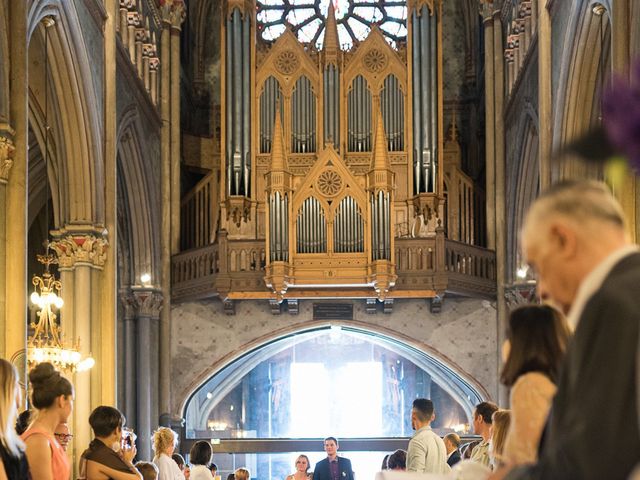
173, 13
6, 152
147, 303
81, 249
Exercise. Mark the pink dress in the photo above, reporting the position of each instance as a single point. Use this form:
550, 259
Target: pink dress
60, 468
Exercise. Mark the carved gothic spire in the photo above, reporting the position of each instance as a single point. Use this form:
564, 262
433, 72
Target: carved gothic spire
278, 160
331, 41
380, 154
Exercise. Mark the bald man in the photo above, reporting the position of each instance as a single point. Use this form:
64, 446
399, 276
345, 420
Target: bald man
575, 239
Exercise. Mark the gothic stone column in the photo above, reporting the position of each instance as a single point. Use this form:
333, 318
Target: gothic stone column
6, 160
148, 304
81, 258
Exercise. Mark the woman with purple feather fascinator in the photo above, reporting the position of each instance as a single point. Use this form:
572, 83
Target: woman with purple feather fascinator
617, 141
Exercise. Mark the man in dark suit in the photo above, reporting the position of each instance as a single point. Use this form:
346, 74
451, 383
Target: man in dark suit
333, 467
575, 238
452, 444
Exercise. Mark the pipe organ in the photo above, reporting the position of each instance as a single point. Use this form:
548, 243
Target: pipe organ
331, 147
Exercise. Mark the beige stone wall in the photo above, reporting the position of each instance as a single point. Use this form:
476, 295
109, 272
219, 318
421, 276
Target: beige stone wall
205, 339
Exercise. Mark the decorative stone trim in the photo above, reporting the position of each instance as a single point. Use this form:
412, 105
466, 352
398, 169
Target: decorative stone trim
7, 150
81, 249
173, 13
147, 303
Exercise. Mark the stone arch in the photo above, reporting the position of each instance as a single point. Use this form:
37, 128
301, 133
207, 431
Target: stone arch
586, 66
135, 193
75, 120
468, 391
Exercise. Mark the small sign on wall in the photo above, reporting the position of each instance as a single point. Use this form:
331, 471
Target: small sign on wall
333, 311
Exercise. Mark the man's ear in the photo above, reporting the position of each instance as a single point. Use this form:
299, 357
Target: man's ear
564, 239
433, 417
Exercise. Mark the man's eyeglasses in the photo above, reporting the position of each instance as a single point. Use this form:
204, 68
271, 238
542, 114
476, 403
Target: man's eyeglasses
63, 436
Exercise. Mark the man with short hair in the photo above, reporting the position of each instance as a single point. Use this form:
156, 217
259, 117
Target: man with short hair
452, 443
482, 426
575, 238
426, 452
333, 467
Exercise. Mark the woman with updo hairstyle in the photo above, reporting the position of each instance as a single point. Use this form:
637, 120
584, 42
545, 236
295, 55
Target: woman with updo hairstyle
164, 444
52, 397
13, 465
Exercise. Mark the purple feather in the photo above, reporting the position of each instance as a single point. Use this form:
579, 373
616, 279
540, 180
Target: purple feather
621, 114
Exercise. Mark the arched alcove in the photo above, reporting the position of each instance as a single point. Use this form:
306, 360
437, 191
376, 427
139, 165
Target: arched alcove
342, 380
333, 347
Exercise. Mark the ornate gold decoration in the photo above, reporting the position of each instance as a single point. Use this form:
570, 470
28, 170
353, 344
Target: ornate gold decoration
287, 62
6, 158
329, 183
86, 249
375, 60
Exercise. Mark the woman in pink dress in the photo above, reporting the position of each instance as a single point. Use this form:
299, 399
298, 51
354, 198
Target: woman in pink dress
52, 397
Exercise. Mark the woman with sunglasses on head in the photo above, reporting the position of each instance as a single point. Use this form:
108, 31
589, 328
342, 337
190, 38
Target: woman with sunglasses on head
14, 462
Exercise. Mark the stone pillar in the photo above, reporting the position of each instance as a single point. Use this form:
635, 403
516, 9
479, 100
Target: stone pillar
16, 189
6, 160
79, 254
545, 96
108, 291
128, 357
173, 14
490, 126
177, 17
500, 174
148, 304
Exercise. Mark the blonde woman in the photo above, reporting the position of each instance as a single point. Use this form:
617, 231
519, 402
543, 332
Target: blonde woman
242, 474
14, 463
52, 397
302, 469
164, 444
500, 422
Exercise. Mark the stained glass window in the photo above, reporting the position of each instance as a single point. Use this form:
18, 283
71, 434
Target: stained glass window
355, 19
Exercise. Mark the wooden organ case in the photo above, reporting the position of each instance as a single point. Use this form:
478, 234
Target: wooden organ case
332, 165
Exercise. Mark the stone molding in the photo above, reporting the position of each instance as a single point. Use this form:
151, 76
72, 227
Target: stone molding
7, 150
173, 13
80, 249
147, 303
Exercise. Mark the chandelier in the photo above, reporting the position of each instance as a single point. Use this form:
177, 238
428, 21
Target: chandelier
47, 343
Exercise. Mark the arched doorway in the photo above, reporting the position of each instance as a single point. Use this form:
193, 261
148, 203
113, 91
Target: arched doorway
339, 380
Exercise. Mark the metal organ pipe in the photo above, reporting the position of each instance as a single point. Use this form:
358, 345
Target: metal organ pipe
434, 100
229, 103
246, 111
237, 106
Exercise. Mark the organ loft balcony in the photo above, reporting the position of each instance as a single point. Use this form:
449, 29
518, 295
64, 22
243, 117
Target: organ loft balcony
332, 176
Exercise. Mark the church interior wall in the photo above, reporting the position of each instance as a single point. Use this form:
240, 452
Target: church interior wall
521, 155
463, 334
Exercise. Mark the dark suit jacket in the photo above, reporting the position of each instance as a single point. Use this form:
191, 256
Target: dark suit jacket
454, 458
592, 431
322, 472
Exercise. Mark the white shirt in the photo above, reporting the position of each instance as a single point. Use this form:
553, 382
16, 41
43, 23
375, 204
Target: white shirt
169, 470
427, 453
200, 472
594, 280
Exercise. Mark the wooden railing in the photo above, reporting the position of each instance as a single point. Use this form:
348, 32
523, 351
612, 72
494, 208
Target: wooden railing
421, 263
228, 265
470, 270
197, 228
